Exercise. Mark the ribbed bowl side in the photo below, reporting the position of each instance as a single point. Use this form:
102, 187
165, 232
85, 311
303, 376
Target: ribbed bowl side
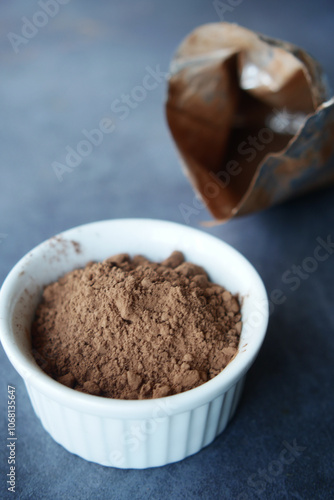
93, 438
136, 443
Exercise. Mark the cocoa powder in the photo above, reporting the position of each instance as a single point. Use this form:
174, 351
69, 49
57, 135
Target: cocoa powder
134, 329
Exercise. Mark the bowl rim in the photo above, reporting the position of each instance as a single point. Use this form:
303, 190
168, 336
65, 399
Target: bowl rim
34, 376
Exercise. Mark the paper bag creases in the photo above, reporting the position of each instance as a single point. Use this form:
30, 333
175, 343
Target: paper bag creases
250, 117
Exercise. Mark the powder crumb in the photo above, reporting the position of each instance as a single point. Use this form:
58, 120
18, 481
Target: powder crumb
134, 380
91, 388
174, 260
161, 391
68, 380
129, 328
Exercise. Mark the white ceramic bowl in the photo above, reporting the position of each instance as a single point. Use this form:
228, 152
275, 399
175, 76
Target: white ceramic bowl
119, 433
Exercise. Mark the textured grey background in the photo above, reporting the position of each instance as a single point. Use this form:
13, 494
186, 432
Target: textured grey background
64, 80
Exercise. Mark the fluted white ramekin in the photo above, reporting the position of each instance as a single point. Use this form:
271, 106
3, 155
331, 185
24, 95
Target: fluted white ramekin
131, 434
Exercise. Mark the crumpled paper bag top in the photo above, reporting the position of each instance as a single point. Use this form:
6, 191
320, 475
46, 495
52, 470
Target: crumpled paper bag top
251, 119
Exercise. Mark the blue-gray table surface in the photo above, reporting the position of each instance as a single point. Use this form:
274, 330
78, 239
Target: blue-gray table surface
65, 77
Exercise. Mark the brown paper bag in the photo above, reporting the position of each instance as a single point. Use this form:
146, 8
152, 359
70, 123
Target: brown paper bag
251, 118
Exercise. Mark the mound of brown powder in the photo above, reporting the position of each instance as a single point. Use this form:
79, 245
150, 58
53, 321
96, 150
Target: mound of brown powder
133, 329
